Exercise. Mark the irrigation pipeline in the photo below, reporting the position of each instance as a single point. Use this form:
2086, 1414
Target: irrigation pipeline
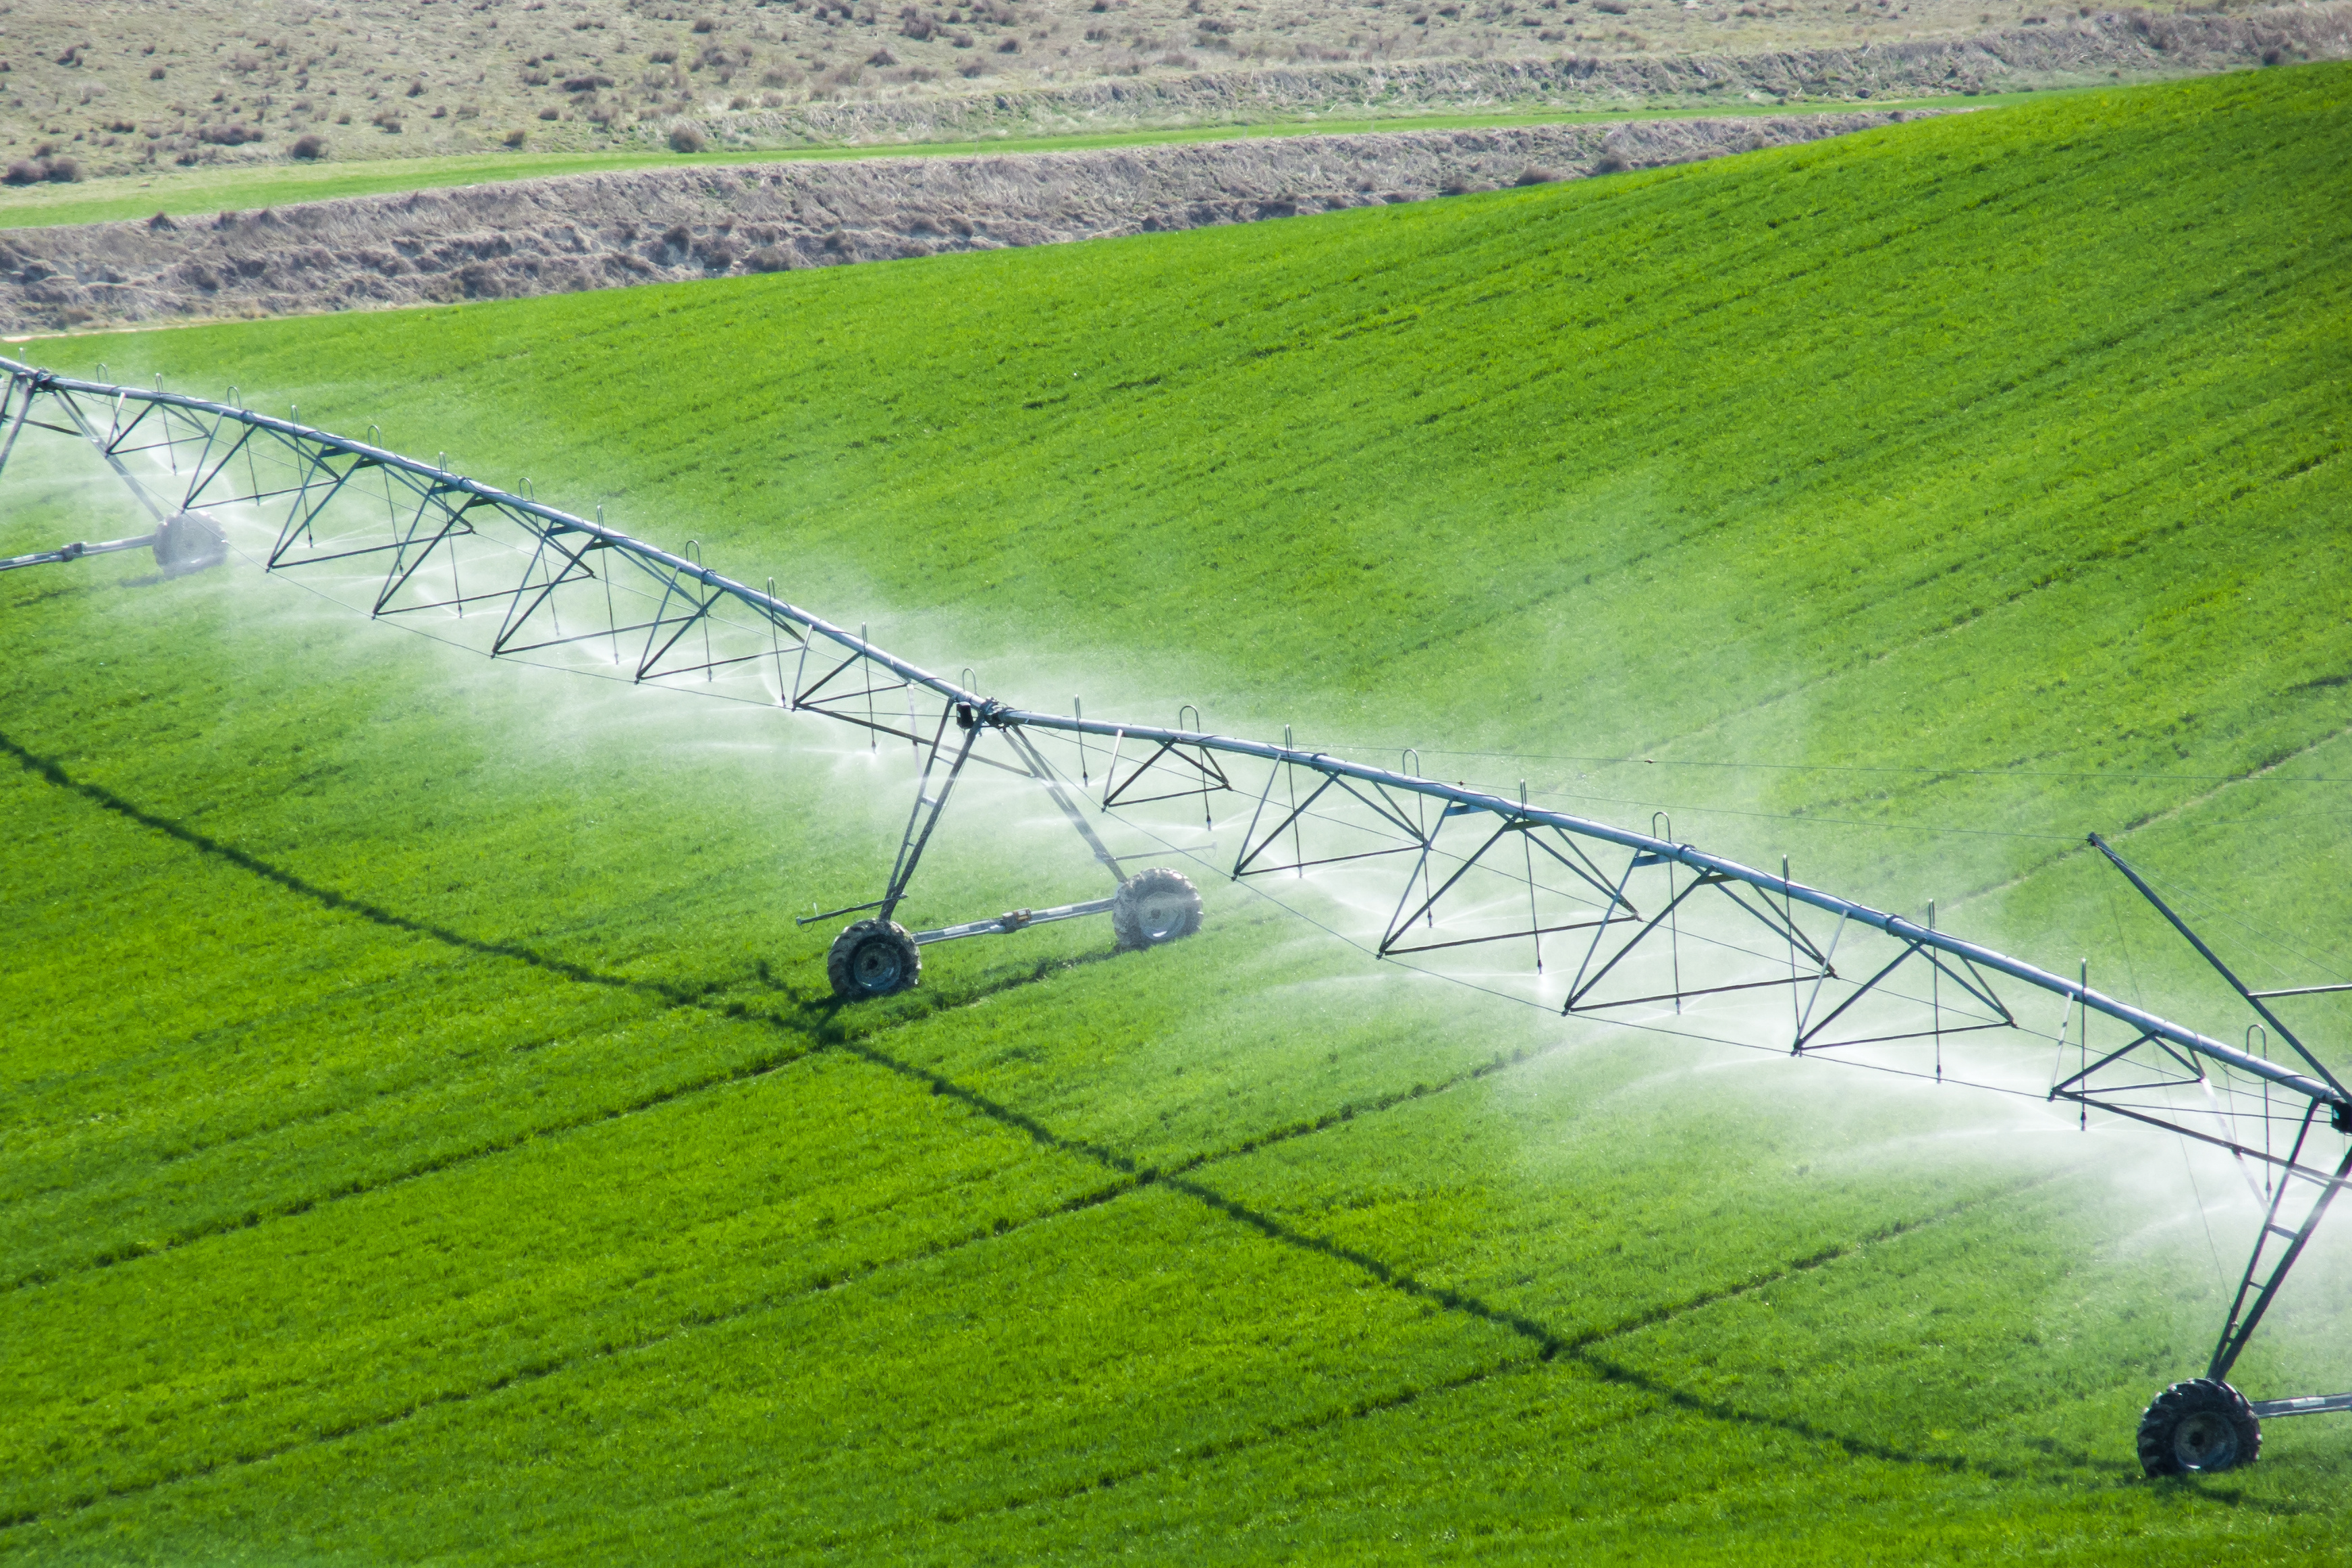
26, 381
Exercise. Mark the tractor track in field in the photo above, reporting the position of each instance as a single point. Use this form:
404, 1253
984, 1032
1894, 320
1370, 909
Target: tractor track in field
1576, 1350
812, 1021
1128, 1176
1546, 1347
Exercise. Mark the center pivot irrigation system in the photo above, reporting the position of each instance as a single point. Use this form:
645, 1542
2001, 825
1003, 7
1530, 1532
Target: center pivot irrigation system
1589, 918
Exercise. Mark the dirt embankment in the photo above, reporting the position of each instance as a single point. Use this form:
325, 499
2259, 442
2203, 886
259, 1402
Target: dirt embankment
2070, 50
604, 231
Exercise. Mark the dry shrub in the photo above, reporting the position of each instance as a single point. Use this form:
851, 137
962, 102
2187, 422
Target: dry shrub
684, 137
308, 147
516, 137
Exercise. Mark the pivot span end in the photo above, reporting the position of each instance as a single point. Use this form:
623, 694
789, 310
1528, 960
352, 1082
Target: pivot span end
184, 542
878, 958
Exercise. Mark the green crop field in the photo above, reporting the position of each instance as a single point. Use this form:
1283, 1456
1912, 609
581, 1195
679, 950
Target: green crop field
427, 1135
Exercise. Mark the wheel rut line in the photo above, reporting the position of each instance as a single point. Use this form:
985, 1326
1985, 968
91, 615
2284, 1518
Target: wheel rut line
1322, 1420
1133, 1177
811, 1023
1547, 1344
746, 1072
1573, 1348
525, 1376
327, 897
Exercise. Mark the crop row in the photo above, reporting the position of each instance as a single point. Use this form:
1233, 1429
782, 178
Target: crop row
1847, 450
581, 1226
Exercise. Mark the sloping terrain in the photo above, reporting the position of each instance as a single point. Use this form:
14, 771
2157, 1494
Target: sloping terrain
428, 1139
202, 83
605, 231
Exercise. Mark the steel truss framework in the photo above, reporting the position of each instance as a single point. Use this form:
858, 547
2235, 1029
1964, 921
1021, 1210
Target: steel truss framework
1602, 920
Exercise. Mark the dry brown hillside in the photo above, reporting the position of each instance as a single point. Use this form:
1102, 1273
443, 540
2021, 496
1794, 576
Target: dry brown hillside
112, 87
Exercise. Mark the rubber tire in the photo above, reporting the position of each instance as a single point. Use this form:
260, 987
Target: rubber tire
2197, 1428
873, 958
1155, 907
189, 541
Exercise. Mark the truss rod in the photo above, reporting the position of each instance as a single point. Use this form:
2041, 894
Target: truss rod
29, 383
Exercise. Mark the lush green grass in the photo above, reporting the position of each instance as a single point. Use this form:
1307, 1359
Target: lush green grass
426, 1137
240, 186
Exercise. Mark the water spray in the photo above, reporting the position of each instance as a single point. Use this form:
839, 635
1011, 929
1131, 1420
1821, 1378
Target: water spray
1647, 926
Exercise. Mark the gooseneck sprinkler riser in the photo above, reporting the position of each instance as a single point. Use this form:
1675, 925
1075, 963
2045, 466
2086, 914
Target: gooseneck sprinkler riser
1597, 920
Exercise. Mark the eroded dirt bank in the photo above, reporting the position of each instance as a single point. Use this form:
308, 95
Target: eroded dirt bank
605, 231
2066, 49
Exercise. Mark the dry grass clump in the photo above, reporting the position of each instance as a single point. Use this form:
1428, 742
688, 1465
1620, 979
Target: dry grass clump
133, 88
46, 164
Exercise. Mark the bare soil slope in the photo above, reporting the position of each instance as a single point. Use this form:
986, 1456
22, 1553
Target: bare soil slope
600, 231
109, 89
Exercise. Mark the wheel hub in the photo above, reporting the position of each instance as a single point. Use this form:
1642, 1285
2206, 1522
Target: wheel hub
1160, 916
875, 966
2205, 1441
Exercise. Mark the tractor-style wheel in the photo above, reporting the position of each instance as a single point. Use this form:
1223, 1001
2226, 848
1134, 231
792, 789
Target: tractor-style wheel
189, 541
873, 958
1155, 907
2198, 1426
